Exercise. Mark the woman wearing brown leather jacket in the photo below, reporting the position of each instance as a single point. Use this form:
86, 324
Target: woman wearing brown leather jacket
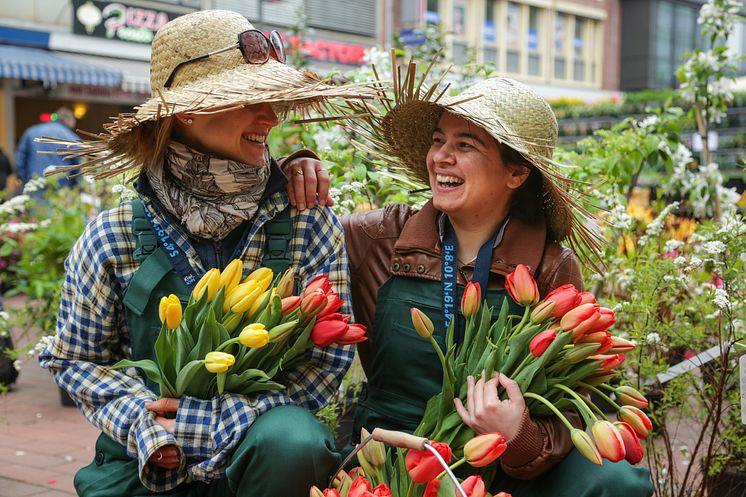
497, 200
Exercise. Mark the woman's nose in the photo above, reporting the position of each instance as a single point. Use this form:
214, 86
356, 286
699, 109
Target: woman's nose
443, 154
265, 114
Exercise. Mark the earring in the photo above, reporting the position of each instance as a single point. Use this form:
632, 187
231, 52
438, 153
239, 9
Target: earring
189, 120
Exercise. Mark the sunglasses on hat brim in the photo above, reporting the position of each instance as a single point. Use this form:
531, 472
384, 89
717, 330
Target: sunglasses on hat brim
255, 46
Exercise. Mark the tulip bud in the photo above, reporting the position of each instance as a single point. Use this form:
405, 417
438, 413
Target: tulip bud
333, 303
581, 319
254, 336
522, 287
313, 303
242, 298
542, 341
258, 301
471, 301
374, 451
282, 331
320, 282
474, 486
355, 334
484, 449
289, 304
262, 277
585, 446
628, 396
606, 319
232, 322
169, 310
231, 275
609, 361
637, 419
565, 298
432, 487
602, 338
218, 362
325, 333
586, 298
315, 492
284, 287
543, 311
209, 282
619, 344
633, 451
608, 440
581, 351
422, 323
422, 465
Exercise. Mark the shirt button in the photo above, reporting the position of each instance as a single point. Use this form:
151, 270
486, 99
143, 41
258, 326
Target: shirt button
395, 266
406, 268
420, 268
99, 458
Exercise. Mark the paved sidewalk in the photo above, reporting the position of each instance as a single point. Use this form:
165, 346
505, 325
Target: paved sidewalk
42, 443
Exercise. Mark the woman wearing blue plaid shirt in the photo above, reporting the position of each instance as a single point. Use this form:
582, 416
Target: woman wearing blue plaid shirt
207, 189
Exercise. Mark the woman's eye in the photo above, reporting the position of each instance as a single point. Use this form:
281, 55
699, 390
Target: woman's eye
437, 140
465, 145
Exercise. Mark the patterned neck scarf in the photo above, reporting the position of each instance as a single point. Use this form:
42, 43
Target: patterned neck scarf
210, 196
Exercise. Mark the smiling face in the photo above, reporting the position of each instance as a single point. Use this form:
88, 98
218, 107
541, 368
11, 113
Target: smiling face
238, 134
468, 178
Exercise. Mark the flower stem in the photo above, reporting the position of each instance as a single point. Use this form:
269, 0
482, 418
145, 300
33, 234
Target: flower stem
600, 394
578, 398
551, 406
442, 358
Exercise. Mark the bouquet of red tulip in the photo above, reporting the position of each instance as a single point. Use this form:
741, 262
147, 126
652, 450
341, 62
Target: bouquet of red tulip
422, 470
238, 336
559, 351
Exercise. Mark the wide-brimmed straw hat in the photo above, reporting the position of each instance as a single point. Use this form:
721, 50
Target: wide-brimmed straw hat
512, 113
223, 80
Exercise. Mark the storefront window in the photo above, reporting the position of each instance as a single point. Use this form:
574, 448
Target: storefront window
578, 50
560, 49
532, 42
489, 33
663, 60
432, 14
512, 34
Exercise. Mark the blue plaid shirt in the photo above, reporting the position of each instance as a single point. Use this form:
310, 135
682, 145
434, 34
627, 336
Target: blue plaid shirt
92, 334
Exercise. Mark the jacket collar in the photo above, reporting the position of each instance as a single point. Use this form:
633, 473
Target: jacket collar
522, 243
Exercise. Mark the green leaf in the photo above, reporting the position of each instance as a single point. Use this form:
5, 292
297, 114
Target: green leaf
164, 352
447, 488
149, 367
187, 375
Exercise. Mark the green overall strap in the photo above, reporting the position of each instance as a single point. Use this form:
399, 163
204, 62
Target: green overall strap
278, 233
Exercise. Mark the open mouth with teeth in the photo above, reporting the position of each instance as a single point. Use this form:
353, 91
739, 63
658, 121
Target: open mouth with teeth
448, 181
254, 138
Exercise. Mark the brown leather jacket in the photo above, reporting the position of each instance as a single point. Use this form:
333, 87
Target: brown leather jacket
397, 240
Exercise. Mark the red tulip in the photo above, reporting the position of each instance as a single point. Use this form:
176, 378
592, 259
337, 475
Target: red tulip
331, 492
289, 304
484, 449
619, 344
355, 334
628, 396
581, 319
609, 361
606, 319
312, 303
320, 282
542, 341
333, 304
360, 487
608, 440
325, 333
637, 419
522, 287
586, 298
431, 490
585, 446
382, 490
633, 451
471, 300
474, 486
502, 494
565, 298
602, 338
422, 465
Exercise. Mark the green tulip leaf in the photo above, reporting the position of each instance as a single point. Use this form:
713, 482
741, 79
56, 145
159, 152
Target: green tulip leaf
164, 352
187, 375
447, 488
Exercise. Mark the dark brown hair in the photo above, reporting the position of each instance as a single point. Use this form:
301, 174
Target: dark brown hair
527, 203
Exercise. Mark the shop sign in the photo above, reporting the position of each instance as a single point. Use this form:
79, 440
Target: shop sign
330, 51
118, 21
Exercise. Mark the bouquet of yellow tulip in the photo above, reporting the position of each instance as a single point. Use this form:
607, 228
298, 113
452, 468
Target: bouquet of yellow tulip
238, 335
560, 350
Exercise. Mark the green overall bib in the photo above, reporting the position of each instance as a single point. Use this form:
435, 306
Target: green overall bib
261, 463
406, 372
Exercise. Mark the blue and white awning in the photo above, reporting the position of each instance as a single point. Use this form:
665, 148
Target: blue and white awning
41, 65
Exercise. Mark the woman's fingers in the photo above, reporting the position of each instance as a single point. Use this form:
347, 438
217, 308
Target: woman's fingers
478, 397
511, 388
163, 406
323, 185
462, 412
470, 394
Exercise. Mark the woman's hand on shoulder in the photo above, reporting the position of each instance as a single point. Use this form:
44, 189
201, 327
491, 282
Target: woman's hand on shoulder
485, 412
308, 182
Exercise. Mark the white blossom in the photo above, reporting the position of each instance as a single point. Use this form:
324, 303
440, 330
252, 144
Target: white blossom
17, 364
672, 245
679, 261
34, 185
714, 248
721, 299
17, 227
653, 338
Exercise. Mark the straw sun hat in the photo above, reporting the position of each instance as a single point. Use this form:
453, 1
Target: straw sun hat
222, 80
510, 112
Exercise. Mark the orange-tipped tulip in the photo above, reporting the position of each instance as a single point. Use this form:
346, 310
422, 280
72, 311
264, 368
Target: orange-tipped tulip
619, 344
219, 362
474, 486
289, 304
606, 319
313, 303
522, 287
543, 311
484, 449
633, 451
254, 336
586, 298
471, 301
320, 282
610, 362
422, 465
355, 334
262, 276
169, 310
602, 338
565, 298
628, 396
585, 446
542, 341
581, 319
422, 324
230, 277
333, 303
608, 440
637, 419
284, 287
210, 282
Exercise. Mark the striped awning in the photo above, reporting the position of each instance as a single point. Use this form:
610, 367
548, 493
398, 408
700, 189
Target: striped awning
41, 65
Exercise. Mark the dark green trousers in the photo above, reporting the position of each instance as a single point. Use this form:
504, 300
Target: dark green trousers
284, 452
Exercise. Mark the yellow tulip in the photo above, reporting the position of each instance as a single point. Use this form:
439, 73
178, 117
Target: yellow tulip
263, 276
218, 362
254, 336
238, 294
255, 306
374, 451
231, 275
169, 311
422, 324
210, 282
